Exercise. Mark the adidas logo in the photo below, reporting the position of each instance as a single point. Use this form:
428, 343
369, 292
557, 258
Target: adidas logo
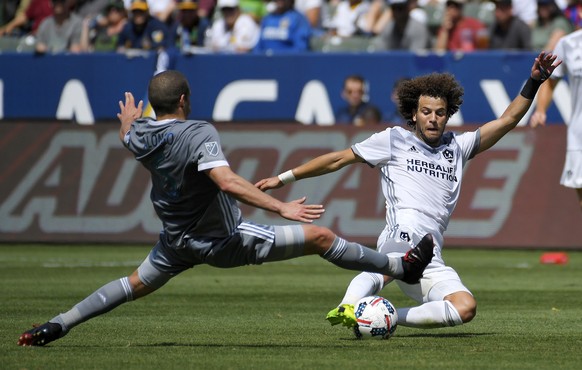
413, 149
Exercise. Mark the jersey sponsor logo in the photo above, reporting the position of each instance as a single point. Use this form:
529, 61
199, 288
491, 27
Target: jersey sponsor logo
404, 236
431, 169
212, 148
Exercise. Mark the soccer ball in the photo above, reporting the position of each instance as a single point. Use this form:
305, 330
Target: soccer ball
376, 318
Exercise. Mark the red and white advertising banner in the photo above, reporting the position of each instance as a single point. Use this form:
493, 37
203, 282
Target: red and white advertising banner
67, 183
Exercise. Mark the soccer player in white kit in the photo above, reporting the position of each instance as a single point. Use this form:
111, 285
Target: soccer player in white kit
569, 50
421, 171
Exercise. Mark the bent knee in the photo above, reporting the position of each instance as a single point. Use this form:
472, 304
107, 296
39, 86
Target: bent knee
465, 304
467, 310
317, 239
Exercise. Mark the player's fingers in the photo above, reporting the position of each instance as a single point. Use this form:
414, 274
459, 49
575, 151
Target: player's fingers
315, 208
299, 201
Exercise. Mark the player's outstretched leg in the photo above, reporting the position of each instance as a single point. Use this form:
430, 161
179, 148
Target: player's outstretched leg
413, 263
41, 335
415, 260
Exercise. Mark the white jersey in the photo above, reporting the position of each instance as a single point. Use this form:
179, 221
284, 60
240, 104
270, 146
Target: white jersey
421, 184
348, 20
244, 35
569, 50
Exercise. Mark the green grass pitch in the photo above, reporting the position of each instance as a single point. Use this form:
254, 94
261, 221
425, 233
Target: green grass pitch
272, 316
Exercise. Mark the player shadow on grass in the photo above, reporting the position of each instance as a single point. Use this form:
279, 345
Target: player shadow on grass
266, 345
445, 335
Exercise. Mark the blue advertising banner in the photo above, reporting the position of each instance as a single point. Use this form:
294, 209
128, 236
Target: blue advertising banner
299, 87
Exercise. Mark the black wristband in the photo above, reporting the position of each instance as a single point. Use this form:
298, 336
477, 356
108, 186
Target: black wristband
530, 88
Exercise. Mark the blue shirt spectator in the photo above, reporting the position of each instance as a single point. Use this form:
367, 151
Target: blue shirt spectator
284, 30
143, 31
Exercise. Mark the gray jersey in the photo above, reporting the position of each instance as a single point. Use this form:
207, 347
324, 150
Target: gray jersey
187, 201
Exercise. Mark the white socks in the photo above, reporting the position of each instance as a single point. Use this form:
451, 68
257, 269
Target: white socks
435, 314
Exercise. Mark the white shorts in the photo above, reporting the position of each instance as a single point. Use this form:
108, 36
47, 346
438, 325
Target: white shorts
436, 283
572, 173
438, 280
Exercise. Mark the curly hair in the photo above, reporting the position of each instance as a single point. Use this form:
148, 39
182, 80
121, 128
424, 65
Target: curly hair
435, 85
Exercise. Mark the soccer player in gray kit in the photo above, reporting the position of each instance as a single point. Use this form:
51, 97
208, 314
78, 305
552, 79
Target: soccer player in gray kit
195, 193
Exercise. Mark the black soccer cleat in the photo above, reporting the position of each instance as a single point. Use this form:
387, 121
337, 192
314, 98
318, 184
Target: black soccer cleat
415, 260
40, 335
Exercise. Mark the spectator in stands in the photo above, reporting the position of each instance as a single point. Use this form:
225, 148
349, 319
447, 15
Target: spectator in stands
285, 29
101, 33
371, 116
549, 27
91, 8
160, 9
143, 31
257, 9
146, 33
29, 20
377, 17
525, 10
350, 18
185, 29
205, 15
61, 32
508, 31
234, 32
403, 32
11, 9
311, 9
573, 13
380, 14
355, 94
458, 32
394, 117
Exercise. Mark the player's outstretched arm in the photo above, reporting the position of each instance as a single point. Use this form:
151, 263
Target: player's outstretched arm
543, 66
128, 114
545, 94
244, 191
318, 166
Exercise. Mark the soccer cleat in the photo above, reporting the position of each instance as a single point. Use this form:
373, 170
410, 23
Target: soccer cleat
415, 260
343, 314
40, 335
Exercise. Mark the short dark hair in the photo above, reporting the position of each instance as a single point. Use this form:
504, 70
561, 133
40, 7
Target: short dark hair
357, 78
164, 91
435, 85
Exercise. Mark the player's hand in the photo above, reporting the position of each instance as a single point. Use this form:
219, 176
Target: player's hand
128, 111
297, 211
544, 66
270, 183
537, 119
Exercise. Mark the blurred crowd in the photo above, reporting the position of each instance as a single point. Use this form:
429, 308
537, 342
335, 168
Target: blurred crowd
259, 26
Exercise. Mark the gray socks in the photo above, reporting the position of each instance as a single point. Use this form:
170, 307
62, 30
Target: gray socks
99, 302
353, 256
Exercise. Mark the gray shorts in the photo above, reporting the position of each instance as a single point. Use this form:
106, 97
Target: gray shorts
251, 244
